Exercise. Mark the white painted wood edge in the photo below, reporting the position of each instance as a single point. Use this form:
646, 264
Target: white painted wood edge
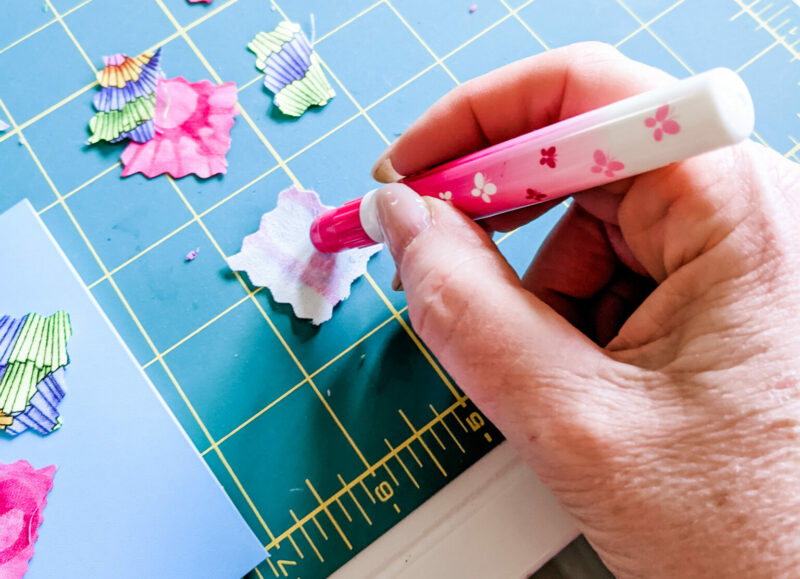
495, 520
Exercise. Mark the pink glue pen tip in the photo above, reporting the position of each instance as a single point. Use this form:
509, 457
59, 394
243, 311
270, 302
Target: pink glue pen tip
319, 240
340, 228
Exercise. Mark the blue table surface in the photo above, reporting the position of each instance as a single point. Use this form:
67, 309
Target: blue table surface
300, 424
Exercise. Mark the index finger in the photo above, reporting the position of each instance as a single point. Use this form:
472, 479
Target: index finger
516, 99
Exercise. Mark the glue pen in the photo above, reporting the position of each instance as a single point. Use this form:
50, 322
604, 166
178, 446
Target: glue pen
626, 138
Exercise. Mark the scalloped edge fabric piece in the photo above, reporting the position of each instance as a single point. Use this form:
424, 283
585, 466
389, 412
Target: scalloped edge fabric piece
23, 496
293, 71
33, 354
125, 123
280, 257
126, 102
192, 124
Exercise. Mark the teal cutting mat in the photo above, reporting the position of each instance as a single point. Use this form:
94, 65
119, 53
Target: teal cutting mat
323, 437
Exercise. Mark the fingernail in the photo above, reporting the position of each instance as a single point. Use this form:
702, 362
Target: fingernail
402, 215
383, 170
397, 283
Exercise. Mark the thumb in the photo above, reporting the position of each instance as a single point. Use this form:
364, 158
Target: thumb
522, 363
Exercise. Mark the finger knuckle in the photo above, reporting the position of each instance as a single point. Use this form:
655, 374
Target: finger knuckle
440, 305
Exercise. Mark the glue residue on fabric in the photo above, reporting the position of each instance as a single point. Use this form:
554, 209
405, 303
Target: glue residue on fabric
280, 257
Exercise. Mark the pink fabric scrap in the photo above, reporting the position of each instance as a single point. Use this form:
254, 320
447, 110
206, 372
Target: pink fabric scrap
23, 495
280, 256
192, 131
198, 1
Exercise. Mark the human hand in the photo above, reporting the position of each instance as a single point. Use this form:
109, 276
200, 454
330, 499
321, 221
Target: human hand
646, 366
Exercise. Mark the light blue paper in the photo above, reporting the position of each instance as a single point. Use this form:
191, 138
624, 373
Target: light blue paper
131, 497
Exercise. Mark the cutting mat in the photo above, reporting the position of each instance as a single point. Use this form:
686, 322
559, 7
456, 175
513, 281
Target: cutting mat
323, 437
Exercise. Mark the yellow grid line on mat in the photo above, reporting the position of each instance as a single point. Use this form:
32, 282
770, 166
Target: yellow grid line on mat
264, 314
795, 147
66, 100
308, 379
515, 13
416, 35
765, 24
757, 56
74, 40
643, 26
282, 164
288, 159
124, 301
319, 370
130, 311
45, 25
269, 321
674, 54
250, 184
414, 338
347, 22
394, 452
646, 25
100, 175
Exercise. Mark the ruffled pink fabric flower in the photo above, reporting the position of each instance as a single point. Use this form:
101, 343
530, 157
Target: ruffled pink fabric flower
23, 495
192, 131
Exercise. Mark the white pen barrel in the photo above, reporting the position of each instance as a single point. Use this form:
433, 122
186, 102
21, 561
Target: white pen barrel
693, 116
626, 138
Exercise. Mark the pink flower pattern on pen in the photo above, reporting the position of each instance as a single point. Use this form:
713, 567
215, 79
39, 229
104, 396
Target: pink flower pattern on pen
483, 188
661, 123
535, 195
606, 164
548, 157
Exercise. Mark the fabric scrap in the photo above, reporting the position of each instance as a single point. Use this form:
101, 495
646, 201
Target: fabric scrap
199, 1
192, 124
280, 257
23, 496
293, 71
126, 102
33, 354
4, 126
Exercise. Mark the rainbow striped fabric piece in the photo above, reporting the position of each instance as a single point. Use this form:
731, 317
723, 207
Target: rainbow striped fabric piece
33, 354
292, 69
126, 101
